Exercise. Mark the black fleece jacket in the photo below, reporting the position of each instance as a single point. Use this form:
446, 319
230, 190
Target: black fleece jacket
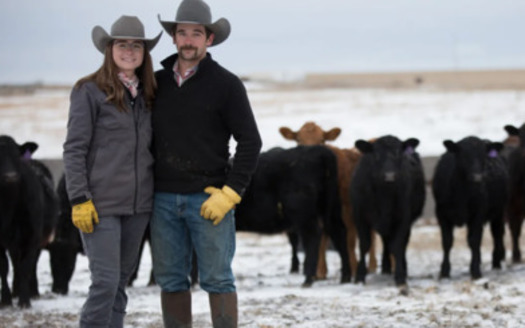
192, 126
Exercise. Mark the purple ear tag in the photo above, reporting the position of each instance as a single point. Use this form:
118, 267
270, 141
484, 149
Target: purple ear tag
493, 153
409, 150
27, 155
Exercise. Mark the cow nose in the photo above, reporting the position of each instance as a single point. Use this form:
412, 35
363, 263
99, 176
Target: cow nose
10, 177
390, 176
477, 177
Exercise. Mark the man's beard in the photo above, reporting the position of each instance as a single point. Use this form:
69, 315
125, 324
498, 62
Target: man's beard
193, 56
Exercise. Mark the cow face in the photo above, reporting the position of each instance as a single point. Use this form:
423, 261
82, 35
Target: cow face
387, 155
511, 142
513, 138
310, 134
471, 156
10, 156
516, 135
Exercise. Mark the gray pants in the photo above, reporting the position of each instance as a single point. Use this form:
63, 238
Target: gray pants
112, 251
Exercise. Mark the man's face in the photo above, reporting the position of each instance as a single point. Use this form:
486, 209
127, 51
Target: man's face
191, 41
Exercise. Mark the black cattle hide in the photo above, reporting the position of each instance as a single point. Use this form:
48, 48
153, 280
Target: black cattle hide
470, 188
28, 214
295, 190
388, 195
66, 244
516, 204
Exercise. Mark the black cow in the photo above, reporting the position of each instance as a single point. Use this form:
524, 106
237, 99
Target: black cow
145, 239
295, 191
28, 213
516, 205
66, 244
511, 142
388, 194
470, 187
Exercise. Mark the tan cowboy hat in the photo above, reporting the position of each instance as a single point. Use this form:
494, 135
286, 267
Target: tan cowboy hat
125, 28
198, 12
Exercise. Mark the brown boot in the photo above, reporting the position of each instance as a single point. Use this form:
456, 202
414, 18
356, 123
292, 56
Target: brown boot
176, 309
224, 310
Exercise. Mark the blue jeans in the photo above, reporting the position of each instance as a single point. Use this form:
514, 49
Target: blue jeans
176, 229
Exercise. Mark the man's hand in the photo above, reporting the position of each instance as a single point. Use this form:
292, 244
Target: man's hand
220, 202
83, 216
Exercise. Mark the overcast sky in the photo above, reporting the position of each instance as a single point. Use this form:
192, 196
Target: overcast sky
50, 40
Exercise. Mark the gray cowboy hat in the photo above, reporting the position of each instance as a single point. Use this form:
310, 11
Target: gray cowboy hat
198, 12
125, 28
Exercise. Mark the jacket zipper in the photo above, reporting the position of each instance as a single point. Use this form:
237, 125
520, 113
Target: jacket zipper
135, 121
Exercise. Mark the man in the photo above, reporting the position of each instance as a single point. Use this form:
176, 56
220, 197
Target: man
199, 107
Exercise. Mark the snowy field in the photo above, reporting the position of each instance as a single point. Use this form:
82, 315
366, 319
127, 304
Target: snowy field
429, 115
271, 297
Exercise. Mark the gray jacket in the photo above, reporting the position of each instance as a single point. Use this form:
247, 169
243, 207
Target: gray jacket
107, 155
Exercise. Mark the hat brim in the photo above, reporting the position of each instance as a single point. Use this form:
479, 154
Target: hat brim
101, 38
221, 28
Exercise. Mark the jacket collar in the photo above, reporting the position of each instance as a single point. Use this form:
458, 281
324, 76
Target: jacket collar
170, 61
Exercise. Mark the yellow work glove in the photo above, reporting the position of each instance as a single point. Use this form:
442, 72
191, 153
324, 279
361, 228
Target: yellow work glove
219, 203
83, 216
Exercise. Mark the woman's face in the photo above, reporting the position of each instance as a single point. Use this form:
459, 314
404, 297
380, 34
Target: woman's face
128, 55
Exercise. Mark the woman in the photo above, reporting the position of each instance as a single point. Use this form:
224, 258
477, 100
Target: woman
108, 164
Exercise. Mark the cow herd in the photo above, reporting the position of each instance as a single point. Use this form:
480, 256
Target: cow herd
316, 193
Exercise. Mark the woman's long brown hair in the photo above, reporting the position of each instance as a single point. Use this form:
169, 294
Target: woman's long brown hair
106, 78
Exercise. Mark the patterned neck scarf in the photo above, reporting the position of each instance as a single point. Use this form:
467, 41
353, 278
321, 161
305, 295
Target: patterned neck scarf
131, 83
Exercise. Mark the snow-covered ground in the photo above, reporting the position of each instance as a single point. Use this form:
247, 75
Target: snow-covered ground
427, 114
271, 297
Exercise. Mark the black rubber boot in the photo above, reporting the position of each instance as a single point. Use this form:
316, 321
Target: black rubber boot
176, 309
224, 310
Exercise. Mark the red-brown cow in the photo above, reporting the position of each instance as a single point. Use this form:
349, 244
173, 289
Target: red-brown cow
312, 134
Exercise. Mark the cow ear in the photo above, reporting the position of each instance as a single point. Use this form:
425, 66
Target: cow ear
332, 134
28, 147
511, 130
412, 142
287, 133
494, 146
364, 146
451, 146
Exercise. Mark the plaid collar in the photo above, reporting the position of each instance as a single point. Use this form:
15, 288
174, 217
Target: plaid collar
180, 78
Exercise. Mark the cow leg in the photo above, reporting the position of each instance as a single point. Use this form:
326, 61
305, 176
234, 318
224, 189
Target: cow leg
386, 258
515, 223
474, 235
15, 259
6, 299
33, 282
372, 259
351, 237
135, 273
497, 227
447, 239
27, 265
321, 262
399, 250
338, 236
293, 238
194, 281
311, 238
63, 259
364, 247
